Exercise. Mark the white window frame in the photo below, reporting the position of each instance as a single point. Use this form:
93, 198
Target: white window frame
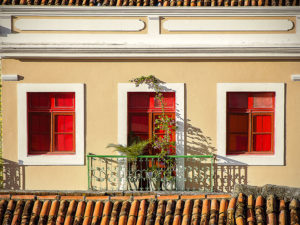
275, 159
178, 88
63, 159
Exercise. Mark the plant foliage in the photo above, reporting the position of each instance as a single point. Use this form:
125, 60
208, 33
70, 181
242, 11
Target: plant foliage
133, 150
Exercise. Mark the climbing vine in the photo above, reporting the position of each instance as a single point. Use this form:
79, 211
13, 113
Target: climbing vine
162, 144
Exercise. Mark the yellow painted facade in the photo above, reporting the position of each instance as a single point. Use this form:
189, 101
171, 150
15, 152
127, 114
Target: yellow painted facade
101, 78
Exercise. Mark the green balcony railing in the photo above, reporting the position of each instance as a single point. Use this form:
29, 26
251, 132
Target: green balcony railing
150, 173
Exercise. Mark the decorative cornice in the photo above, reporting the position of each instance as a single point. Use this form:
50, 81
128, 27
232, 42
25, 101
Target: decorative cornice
153, 43
140, 11
195, 53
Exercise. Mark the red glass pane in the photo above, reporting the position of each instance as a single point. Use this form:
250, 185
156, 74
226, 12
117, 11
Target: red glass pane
262, 123
238, 123
39, 122
237, 100
39, 132
138, 100
39, 100
63, 142
238, 142
263, 100
64, 123
65, 100
139, 123
168, 100
262, 142
39, 143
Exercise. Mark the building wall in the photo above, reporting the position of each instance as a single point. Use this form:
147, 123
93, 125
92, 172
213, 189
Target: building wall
101, 78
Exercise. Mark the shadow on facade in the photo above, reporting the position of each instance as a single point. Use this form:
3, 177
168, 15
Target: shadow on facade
226, 172
13, 175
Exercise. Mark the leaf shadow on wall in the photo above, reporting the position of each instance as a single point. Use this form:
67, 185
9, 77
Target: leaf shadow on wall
13, 175
226, 172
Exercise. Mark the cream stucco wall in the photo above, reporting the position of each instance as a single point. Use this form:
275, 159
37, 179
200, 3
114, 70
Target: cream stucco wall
101, 78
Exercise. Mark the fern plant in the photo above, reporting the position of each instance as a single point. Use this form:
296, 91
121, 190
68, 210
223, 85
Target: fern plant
133, 150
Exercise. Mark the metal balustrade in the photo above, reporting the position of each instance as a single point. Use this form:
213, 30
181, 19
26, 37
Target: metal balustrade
151, 173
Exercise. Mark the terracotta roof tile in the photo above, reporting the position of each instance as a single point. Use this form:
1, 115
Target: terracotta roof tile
142, 213
187, 212
4, 196
79, 213
9, 212
124, 198
214, 209
230, 211
250, 210
97, 214
192, 196
223, 211
18, 212
24, 197
219, 196
95, 198
115, 213
71, 212
133, 213
241, 210
106, 213
169, 212
62, 211
178, 212
271, 210
160, 213
3, 205
259, 210
283, 213
196, 212
44, 212
144, 197
294, 212
48, 197
165, 3
72, 197
167, 197
88, 213
124, 213
151, 213
205, 212
53, 212
27, 212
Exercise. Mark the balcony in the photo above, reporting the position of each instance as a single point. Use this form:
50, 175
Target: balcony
151, 173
